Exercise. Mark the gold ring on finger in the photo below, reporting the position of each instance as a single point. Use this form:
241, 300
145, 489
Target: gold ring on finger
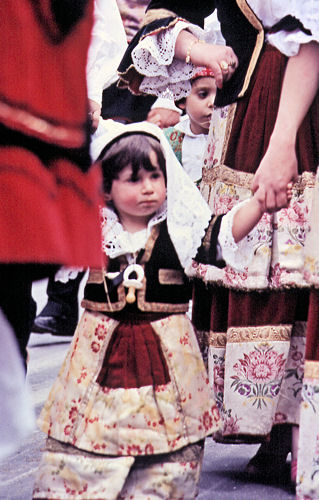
223, 65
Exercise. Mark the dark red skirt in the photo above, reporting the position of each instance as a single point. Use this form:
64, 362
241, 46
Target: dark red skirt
256, 115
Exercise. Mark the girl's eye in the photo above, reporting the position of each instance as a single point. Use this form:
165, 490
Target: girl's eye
134, 179
156, 175
202, 94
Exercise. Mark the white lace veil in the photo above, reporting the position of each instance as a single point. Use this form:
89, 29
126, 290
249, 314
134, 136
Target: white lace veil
188, 214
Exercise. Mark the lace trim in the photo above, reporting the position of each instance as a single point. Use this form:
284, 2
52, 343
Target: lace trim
238, 255
116, 241
154, 58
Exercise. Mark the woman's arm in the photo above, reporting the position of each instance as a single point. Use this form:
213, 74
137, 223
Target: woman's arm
205, 54
279, 165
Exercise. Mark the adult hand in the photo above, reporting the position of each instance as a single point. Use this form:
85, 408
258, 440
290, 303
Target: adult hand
220, 58
94, 114
277, 169
163, 117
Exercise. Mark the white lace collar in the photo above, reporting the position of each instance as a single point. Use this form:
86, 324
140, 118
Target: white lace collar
116, 241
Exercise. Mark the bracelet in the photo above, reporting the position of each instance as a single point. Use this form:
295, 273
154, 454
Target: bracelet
188, 52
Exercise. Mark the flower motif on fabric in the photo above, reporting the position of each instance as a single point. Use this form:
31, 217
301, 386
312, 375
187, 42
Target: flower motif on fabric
218, 379
207, 421
233, 277
296, 370
309, 392
200, 269
225, 199
297, 216
95, 347
275, 276
100, 332
259, 374
185, 339
264, 233
73, 491
230, 424
210, 159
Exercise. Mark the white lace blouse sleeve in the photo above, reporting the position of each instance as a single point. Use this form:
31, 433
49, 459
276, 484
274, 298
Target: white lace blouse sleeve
238, 255
108, 44
164, 75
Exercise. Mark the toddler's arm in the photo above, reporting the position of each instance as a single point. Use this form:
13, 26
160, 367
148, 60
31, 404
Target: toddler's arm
251, 212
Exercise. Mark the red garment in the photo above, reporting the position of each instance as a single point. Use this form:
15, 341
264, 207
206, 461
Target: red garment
312, 345
49, 195
134, 358
250, 133
256, 114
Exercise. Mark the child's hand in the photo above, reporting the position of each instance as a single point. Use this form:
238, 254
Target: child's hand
289, 191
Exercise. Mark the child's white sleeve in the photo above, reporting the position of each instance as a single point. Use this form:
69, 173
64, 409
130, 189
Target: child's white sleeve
238, 255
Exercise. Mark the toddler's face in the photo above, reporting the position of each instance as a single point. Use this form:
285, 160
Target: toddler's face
200, 103
136, 199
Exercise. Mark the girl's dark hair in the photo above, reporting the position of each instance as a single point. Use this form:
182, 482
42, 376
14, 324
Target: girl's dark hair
134, 150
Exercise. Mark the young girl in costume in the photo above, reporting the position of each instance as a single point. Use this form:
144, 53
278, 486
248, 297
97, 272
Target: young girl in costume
128, 413
188, 137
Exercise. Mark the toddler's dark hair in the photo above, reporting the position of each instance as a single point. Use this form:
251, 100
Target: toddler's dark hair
134, 150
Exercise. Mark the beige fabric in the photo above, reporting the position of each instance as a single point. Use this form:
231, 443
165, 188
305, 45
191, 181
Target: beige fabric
67, 473
308, 455
135, 421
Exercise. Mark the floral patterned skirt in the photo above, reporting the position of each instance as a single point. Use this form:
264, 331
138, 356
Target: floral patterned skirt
107, 400
256, 331
308, 454
66, 473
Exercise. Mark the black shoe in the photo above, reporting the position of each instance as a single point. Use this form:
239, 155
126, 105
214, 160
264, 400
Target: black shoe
270, 461
55, 325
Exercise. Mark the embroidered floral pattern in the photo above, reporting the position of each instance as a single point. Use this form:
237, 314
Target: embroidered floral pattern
259, 375
138, 420
278, 260
230, 423
308, 456
311, 259
216, 374
296, 371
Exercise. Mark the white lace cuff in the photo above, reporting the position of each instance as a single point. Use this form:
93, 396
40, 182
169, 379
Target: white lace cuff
164, 75
238, 255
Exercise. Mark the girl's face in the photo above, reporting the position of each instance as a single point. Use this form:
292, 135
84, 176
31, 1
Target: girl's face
137, 199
